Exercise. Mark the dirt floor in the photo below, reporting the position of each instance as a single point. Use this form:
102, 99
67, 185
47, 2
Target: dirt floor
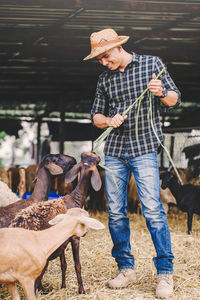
98, 266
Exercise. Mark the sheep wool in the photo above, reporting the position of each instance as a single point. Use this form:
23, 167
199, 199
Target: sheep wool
37, 216
6, 195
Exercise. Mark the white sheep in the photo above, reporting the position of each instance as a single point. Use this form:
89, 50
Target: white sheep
24, 253
6, 195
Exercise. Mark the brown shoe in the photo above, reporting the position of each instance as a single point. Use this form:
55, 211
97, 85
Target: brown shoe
123, 279
165, 286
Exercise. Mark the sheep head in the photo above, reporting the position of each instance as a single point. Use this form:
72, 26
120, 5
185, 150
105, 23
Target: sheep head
57, 164
166, 179
83, 221
89, 162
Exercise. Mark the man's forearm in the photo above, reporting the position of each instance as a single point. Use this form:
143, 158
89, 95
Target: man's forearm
171, 98
101, 121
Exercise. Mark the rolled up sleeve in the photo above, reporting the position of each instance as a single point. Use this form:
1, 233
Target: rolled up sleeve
167, 81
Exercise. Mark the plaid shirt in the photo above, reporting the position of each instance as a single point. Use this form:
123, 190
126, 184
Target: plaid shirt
116, 91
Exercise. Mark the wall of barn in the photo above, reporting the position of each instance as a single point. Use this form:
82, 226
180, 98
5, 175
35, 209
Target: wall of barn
21, 150
176, 143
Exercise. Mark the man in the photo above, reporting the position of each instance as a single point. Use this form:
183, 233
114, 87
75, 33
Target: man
128, 149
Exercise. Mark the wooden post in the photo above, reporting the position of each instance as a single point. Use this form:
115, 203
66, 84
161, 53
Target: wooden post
38, 140
10, 179
62, 126
172, 146
22, 182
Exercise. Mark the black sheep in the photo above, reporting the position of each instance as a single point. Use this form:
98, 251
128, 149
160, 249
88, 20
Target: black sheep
187, 196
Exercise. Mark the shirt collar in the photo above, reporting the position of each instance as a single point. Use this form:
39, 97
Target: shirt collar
135, 57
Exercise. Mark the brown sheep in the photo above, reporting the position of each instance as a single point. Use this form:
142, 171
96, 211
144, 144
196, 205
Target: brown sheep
36, 217
51, 164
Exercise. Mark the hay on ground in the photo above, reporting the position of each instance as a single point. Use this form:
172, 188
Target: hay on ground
98, 266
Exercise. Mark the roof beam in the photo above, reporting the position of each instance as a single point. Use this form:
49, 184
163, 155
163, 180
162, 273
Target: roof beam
155, 6
170, 25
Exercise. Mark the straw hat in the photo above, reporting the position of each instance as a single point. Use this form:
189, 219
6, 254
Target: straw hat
104, 40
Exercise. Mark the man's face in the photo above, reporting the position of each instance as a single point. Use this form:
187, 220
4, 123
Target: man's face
110, 59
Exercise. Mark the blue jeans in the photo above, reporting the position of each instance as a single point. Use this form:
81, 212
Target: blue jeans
146, 172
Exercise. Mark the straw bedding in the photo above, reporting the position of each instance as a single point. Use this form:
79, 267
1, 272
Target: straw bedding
98, 266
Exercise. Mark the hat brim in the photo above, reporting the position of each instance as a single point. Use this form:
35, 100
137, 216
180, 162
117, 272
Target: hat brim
97, 51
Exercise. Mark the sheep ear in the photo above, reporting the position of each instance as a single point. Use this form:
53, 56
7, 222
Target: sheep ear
74, 211
54, 169
91, 223
57, 219
96, 180
73, 173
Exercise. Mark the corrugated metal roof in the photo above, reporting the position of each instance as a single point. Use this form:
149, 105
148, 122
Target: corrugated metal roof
43, 42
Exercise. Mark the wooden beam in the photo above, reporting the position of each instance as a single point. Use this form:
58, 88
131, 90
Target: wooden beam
39, 122
61, 126
155, 6
82, 33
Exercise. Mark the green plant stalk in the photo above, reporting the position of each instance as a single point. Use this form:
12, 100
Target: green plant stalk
169, 156
136, 122
102, 137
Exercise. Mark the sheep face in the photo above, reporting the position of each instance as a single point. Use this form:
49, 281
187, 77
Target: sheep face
83, 221
58, 163
166, 178
89, 162
90, 158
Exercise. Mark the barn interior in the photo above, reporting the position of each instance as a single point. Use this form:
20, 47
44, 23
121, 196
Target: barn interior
43, 75
44, 81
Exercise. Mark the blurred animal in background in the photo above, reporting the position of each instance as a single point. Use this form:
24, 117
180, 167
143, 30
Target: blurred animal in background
187, 196
6, 195
98, 202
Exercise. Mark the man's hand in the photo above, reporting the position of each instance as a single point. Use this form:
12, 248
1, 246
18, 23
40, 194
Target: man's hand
116, 121
155, 86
